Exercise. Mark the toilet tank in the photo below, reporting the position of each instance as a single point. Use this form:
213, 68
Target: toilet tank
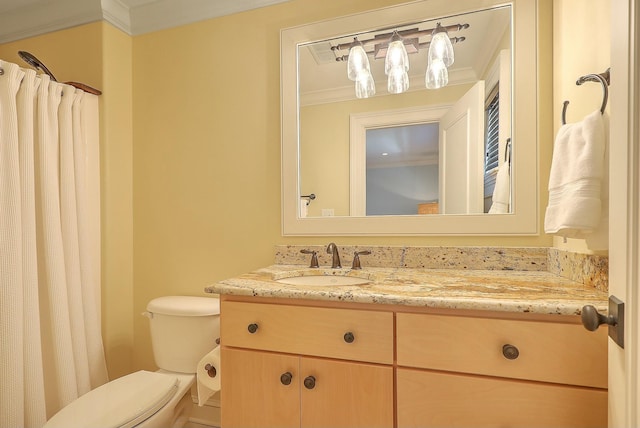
183, 330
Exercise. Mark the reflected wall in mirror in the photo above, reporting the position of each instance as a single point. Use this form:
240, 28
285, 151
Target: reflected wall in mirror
440, 185
327, 96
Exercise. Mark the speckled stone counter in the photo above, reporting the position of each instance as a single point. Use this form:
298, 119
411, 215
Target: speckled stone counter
532, 291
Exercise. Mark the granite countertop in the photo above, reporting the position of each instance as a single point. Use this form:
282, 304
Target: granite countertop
538, 292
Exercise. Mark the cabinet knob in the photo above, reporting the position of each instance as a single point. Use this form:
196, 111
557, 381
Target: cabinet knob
285, 378
510, 352
309, 382
252, 328
349, 337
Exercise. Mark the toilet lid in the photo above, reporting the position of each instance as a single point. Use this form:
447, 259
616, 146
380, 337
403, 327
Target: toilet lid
122, 403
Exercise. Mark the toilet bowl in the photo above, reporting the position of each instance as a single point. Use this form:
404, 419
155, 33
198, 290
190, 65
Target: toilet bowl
183, 330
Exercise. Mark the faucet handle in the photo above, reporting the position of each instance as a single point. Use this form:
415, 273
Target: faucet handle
314, 258
356, 258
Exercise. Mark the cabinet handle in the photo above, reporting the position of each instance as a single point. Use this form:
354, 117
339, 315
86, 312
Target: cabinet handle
349, 337
252, 328
510, 352
285, 378
309, 382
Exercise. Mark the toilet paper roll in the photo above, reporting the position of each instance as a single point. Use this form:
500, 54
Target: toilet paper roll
208, 375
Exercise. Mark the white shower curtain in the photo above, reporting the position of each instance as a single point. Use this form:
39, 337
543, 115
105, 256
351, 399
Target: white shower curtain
51, 348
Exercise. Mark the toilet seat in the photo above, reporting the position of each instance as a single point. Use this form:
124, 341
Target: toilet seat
122, 403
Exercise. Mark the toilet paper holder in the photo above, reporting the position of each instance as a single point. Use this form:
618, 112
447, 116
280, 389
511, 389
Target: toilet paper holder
211, 370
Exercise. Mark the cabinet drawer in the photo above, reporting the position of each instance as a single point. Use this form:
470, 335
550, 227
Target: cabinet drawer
432, 399
324, 332
550, 352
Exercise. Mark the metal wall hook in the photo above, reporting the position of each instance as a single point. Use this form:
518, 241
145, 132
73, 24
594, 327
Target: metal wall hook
310, 197
604, 79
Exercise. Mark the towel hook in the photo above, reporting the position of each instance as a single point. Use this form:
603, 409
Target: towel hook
309, 197
604, 79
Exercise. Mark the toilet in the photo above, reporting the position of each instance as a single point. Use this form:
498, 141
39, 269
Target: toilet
183, 330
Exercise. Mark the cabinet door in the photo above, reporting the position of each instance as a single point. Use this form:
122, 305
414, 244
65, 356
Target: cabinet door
253, 394
346, 394
437, 399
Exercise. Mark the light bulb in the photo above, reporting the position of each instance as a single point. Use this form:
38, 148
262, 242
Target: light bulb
398, 81
396, 54
437, 75
365, 86
440, 46
358, 61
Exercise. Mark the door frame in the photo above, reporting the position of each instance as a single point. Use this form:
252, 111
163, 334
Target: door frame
358, 125
624, 227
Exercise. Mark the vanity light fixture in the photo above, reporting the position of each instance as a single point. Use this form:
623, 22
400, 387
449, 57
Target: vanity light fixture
359, 70
395, 48
441, 47
396, 65
437, 75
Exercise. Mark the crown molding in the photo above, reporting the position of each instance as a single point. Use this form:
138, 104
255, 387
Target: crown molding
117, 14
347, 93
34, 19
163, 14
43, 16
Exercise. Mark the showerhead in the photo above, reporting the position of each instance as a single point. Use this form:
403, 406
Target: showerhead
36, 63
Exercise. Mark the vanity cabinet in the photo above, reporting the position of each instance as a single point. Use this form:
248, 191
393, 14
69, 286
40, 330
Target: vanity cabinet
468, 371
334, 365
277, 374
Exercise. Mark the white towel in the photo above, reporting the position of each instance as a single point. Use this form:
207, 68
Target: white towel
575, 180
502, 191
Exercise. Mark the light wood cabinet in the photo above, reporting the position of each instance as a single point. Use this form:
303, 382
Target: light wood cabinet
441, 399
291, 387
399, 368
456, 371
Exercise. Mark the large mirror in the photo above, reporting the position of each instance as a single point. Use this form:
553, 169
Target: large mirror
393, 156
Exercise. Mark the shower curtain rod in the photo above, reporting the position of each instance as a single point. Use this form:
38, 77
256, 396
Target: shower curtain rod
39, 65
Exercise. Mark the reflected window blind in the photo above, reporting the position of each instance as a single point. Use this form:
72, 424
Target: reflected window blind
492, 142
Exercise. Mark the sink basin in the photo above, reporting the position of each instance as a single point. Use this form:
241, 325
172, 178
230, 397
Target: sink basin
323, 280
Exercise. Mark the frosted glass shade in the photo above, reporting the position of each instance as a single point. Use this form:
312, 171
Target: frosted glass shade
437, 75
441, 47
357, 62
398, 81
396, 57
365, 86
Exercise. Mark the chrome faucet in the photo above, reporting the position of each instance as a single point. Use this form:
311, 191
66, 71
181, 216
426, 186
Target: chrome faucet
335, 261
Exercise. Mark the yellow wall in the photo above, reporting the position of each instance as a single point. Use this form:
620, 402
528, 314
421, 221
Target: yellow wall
207, 154
117, 200
581, 45
191, 155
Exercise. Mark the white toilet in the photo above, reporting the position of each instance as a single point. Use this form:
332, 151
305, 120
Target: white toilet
183, 330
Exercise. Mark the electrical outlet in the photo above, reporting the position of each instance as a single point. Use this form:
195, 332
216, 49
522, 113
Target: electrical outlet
327, 212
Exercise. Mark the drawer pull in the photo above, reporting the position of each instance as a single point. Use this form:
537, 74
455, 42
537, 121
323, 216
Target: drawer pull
285, 378
252, 328
310, 382
510, 352
349, 337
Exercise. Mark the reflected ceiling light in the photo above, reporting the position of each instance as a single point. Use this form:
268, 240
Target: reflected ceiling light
396, 65
441, 47
437, 75
398, 81
365, 86
395, 47
358, 61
